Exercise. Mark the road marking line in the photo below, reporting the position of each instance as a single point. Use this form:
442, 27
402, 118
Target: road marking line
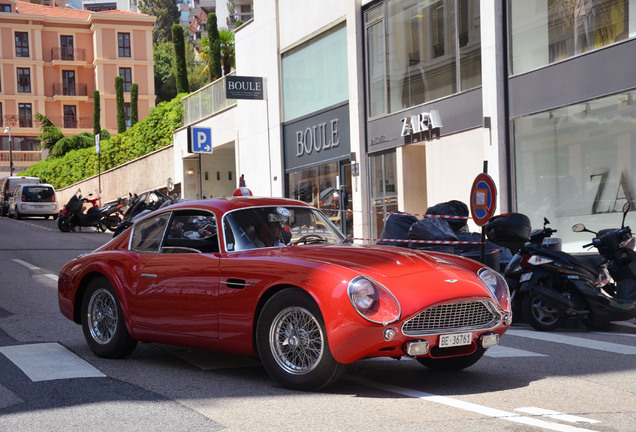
26, 264
574, 341
500, 351
49, 361
51, 276
556, 415
468, 406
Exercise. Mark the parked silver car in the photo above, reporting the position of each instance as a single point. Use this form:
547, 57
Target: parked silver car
33, 200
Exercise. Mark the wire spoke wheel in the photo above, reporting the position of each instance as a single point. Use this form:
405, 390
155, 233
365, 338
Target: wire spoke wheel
102, 316
296, 340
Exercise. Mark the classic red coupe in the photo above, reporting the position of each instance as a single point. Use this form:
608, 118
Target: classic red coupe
274, 278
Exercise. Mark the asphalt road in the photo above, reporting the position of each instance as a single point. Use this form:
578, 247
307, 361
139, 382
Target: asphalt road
571, 380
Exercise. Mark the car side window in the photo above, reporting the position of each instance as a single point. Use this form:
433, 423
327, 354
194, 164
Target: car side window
191, 231
147, 235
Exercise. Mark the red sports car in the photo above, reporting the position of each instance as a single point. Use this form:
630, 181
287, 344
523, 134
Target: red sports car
274, 278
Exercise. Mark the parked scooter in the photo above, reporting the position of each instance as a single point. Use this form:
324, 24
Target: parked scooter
72, 214
139, 206
554, 285
115, 213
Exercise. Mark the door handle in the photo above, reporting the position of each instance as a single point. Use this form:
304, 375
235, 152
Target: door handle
148, 275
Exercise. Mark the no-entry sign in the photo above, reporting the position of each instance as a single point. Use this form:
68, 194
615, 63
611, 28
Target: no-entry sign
483, 199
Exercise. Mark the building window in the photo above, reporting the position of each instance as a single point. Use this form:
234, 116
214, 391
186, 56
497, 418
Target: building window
66, 43
314, 75
419, 52
25, 118
546, 32
68, 83
70, 116
127, 113
21, 44
563, 172
5, 8
126, 74
123, 42
1, 121
384, 198
24, 80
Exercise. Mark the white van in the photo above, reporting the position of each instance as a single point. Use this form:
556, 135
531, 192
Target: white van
33, 200
8, 185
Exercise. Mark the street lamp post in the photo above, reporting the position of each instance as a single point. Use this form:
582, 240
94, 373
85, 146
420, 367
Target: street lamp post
8, 130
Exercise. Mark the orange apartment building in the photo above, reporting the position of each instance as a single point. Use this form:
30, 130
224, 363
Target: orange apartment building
52, 59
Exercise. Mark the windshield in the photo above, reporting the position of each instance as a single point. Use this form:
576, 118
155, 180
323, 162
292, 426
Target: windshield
258, 227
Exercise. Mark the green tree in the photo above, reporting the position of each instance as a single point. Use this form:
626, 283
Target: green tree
96, 113
214, 46
167, 14
228, 58
181, 73
119, 97
49, 133
75, 142
165, 82
134, 111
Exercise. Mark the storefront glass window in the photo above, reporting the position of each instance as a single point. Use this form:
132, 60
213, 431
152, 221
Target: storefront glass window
383, 172
432, 49
319, 186
314, 75
576, 164
544, 32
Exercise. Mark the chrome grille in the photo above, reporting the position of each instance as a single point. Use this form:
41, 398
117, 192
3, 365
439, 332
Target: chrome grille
472, 315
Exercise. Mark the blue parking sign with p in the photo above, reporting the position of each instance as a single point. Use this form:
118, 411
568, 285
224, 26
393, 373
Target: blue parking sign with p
201, 140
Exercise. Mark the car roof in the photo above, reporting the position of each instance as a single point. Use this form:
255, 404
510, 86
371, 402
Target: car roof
226, 204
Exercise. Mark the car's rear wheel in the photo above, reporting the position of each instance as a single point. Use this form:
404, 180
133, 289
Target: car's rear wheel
17, 214
452, 363
103, 321
292, 342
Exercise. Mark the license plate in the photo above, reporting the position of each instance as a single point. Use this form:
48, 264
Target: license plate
525, 277
452, 340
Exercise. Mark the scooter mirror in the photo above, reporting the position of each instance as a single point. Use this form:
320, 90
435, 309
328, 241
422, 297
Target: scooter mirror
626, 207
578, 227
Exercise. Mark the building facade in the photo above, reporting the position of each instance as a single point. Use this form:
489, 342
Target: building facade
378, 106
52, 59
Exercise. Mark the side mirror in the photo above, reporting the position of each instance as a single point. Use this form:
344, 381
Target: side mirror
626, 208
578, 227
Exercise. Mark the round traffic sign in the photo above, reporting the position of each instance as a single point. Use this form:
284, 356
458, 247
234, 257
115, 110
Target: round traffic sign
483, 199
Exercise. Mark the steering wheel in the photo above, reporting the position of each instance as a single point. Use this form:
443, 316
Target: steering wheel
310, 238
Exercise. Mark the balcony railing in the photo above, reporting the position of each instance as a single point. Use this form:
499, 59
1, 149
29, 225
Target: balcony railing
205, 102
68, 54
72, 122
63, 89
19, 120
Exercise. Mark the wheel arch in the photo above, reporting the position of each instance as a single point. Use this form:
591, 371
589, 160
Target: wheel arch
271, 292
81, 291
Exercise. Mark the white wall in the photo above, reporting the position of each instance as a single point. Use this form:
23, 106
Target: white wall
143, 174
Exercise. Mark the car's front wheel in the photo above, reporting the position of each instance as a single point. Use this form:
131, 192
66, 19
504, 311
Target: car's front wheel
292, 342
452, 363
103, 321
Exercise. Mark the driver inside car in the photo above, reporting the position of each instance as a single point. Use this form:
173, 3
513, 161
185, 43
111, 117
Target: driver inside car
269, 233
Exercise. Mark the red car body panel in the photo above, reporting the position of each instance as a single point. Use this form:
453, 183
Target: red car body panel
212, 300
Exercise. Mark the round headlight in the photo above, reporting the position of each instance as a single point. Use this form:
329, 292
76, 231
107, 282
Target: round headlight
497, 286
373, 301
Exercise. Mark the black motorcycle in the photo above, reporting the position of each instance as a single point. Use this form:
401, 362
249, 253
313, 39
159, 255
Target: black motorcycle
139, 206
554, 286
72, 214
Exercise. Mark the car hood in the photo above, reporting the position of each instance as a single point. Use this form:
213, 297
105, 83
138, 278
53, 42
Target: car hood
385, 261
